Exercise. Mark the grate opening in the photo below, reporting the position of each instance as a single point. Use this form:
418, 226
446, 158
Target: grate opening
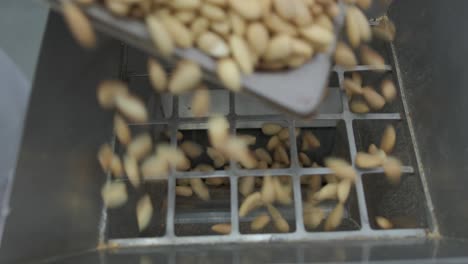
122, 222
195, 217
333, 142
369, 132
287, 211
309, 186
403, 205
252, 129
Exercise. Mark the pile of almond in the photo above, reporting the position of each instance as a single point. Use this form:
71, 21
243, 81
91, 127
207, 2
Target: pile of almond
243, 35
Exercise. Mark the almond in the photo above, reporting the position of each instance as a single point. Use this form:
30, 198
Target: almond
352, 86
241, 53
270, 129
114, 194
157, 75
279, 48
327, 192
344, 56
222, 229
105, 155
132, 170
184, 4
285, 8
140, 146
263, 155
185, 77
352, 28
144, 212
334, 218
155, 167
383, 222
212, 12
160, 35
121, 130
250, 203
107, 92
248, 9
260, 222
273, 142
191, 149
372, 58
246, 185
258, 38
131, 107
317, 35
387, 143
313, 216
218, 131
79, 25
179, 33
200, 189
201, 102
392, 169
229, 74
278, 220
199, 25
185, 191
277, 25
212, 44
374, 99
304, 159
343, 189
341, 168
367, 161
388, 90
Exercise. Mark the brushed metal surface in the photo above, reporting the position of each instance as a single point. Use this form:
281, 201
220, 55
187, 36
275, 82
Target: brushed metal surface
55, 202
431, 48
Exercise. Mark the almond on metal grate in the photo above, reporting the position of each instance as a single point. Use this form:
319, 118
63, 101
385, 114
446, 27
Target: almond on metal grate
222, 229
250, 203
392, 169
383, 222
335, 218
388, 140
200, 189
341, 168
191, 149
260, 222
185, 191
280, 223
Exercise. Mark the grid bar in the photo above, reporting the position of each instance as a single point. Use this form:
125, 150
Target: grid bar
171, 183
352, 149
256, 238
296, 180
232, 179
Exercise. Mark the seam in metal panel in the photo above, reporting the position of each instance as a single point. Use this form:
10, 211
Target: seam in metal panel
422, 174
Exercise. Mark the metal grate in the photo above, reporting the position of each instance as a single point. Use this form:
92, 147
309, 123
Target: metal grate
366, 204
